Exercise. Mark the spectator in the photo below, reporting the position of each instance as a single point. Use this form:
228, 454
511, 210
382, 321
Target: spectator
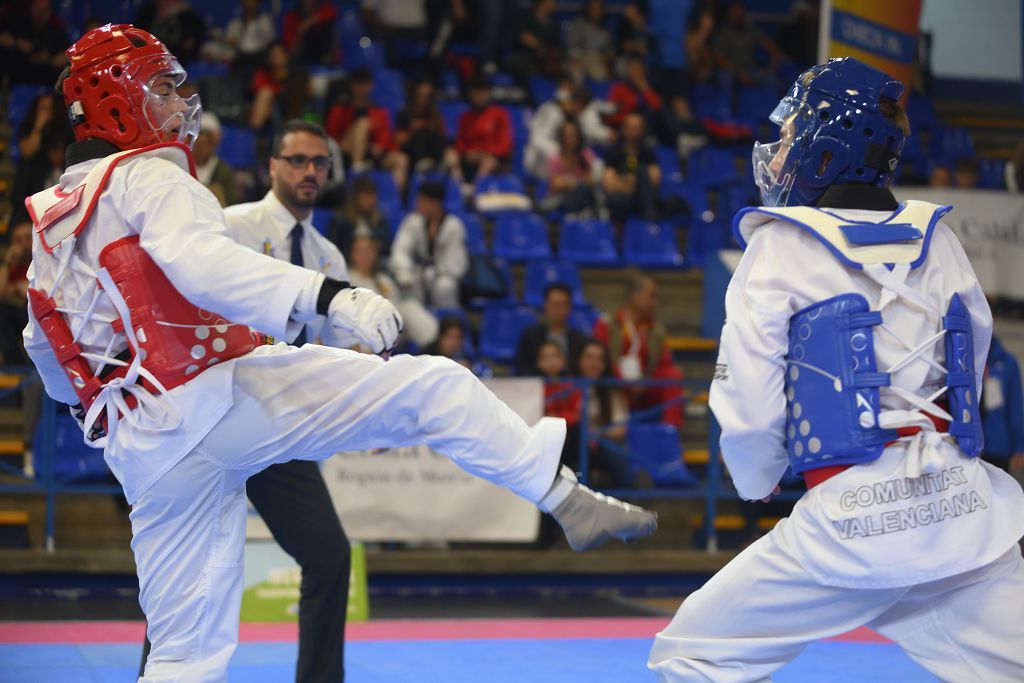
308, 32
1002, 409
608, 416
590, 46
561, 398
14, 294
666, 22
363, 263
360, 218
363, 130
636, 342
429, 257
568, 103
735, 45
966, 172
699, 55
450, 342
484, 139
43, 136
631, 175
554, 328
798, 38
634, 94
1014, 172
420, 130
280, 88
573, 173
940, 177
396, 23
538, 45
32, 44
211, 170
250, 35
176, 24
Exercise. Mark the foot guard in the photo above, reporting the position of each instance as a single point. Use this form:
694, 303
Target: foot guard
589, 518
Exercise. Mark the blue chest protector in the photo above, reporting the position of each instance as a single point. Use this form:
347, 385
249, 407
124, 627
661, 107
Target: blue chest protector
832, 381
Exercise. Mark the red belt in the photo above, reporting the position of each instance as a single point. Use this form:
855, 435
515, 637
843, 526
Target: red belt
819, 474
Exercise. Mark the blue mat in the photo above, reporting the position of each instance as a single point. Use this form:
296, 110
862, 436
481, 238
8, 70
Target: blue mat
496, 661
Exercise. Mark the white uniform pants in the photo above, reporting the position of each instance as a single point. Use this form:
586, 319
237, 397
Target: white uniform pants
189, 528
761, 611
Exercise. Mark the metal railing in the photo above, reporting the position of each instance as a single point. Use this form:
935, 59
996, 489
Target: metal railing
45, 481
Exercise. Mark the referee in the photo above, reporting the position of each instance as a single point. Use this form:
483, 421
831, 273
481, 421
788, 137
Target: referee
292, 497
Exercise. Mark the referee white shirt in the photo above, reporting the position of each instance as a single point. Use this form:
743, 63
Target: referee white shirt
266, 226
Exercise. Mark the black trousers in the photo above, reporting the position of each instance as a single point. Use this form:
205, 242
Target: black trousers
292, 499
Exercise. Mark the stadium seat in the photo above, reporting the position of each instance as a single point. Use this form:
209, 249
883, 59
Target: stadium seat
238, 147
451, 112
651, 245
394, 221
583, 318
197, 71
589, 243
541, 274
521, 237
668, 162
20, 101
712, 167
710, 101
655, 448
322, 219
389, 90
542, 89
503, 324
991, 174
476, 243
755, 104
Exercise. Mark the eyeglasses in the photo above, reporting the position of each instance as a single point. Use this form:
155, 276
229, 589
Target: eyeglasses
301, 161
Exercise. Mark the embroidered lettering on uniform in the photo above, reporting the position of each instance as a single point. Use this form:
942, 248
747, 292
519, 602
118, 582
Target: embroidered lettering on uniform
924, 514
903, 488
721, 372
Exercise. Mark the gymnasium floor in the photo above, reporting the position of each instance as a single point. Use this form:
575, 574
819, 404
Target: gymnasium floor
522, 649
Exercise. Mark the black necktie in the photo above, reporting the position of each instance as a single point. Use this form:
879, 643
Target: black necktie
297, 260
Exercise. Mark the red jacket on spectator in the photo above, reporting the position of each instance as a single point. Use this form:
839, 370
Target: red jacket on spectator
563, 399
488, 130
628, 99
341, 116
325, 14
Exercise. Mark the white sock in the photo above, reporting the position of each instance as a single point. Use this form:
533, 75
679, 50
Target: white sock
565, 482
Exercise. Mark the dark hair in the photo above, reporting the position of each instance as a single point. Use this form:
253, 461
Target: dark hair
361, 75
967, 165
478, 81
296, 126
361, 184
602, 393
558, 287
432, 189
448, 322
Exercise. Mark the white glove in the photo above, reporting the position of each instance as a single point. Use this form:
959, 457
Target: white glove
366, 317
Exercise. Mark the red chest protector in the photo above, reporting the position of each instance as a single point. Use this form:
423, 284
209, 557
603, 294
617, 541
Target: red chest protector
173, 339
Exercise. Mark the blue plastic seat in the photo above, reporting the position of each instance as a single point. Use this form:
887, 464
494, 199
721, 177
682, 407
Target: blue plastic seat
542, 89
451, 112
501, 183
503, 325
521, 237
584, 317
322, 219
712, 167
755, 103
991, 174
589, 243
238, 147
197, 71
651, 245
542, 274
655, 448
476, 243
21, 99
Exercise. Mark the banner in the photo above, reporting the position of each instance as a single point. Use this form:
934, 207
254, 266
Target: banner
414, 494
990, 226
881, 33
272, 578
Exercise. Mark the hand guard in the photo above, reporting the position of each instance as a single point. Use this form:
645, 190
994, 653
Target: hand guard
366, 317
78, 412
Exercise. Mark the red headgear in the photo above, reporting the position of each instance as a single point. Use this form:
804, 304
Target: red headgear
113, 93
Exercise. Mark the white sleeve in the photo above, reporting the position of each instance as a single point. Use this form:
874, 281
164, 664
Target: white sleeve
402, 261
181, 226
452, 258
747, 393
56, 382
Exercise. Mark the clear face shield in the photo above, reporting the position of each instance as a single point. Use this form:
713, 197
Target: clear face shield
774, 170
171, 116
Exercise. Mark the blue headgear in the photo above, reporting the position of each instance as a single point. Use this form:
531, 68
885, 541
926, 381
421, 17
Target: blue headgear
833, 131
